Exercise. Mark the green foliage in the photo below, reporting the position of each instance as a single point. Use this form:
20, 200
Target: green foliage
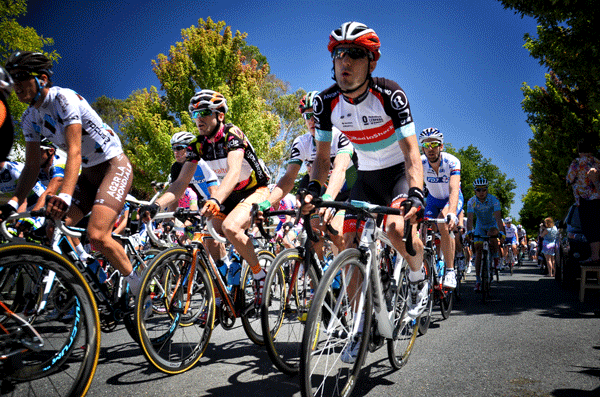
473, 165
15, 37
568, 108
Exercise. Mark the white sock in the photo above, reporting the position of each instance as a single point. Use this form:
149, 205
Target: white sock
81, 252
260, 275
419, 275
135, 282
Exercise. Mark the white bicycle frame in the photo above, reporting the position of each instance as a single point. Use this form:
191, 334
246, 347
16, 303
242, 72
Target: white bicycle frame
370, 235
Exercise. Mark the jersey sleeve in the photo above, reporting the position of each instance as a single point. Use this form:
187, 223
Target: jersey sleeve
470, 206
296, 155
396, 105
68, 108
322, 105
235, 139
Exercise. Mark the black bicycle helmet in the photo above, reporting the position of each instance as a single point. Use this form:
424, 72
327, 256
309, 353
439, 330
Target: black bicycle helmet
34, 62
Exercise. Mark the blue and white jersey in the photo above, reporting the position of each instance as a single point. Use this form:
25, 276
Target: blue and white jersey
511, 232
204, 177
438, 183
9, 178
56, 170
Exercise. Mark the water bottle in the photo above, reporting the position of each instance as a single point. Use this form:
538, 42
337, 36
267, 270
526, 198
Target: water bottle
97, 269
337, 279
440, 267
235, 270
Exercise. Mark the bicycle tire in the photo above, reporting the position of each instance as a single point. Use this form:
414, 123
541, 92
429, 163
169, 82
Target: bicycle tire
425, 317
251, 321
69, 356
406, 329
321, 375
446, 303
283, 322
168, 346
485, 276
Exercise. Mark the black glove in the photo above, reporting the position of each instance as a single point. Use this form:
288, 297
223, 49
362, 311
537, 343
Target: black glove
314, 188
6, 211
152, 209
417, 200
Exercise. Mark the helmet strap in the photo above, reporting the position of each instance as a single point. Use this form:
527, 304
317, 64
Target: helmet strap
39, 92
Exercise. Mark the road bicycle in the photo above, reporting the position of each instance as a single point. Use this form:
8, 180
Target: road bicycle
510, 258
284, 308
365, 314
438, 295
460, 268
49, 323
487, 268
178, 308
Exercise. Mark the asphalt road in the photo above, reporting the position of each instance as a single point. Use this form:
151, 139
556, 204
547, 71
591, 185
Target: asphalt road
532, 339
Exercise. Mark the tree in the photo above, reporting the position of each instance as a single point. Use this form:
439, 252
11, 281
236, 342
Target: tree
568, 108
474, 165
15, 37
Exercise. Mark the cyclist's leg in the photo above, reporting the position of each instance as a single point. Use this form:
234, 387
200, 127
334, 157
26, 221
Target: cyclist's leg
235, 224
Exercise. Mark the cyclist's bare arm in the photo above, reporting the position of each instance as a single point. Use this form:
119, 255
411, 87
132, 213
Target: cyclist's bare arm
453, 199
177, 188
413, 168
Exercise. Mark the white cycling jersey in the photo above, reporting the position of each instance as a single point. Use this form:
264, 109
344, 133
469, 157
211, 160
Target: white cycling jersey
305, 151
511, 232
9, 178
63, 107
438, 183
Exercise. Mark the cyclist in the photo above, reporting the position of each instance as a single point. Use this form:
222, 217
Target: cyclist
382, 130
489, 223
441, 172
510, 242
243, 177
522, 234
67, 119
10, 172
52, 171
342, 170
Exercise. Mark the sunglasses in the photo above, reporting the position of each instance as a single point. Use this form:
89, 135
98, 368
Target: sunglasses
431, 145
307, 115
22, 76
196, 114
353, 53
179, 147
481, 189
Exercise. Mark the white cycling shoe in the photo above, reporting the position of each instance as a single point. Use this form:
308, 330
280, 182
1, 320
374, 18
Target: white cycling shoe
419, 297
350, 352
449, 279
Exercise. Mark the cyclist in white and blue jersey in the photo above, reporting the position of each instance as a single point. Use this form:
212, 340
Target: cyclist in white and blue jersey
441, 172
512, 238
487, 209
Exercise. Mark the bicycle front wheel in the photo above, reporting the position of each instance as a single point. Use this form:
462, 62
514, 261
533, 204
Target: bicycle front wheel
284, 309
405, 328
166, 302
251, 309
52, 344
334, 345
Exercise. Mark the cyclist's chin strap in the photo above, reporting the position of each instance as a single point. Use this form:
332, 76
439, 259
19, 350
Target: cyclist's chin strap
39, 92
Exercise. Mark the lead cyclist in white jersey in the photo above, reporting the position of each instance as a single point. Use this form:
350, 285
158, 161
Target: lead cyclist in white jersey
374, 114
441, 172
65, 118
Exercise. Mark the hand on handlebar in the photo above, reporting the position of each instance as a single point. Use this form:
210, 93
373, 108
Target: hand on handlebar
56, 207
148, 212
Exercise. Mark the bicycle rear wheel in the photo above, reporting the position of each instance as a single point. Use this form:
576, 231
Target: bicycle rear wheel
163, 305
251, 309
334, 345
446, 302
284, 310
485, 276
66, 320
425, 318
405, 328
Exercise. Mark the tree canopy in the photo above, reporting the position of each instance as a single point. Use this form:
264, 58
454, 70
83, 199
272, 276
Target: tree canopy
568, 107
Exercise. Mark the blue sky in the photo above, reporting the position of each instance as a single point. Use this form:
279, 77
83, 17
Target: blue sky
461, 63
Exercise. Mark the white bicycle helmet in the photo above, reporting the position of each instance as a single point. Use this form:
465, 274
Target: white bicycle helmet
6, 83
508, 220
481, 181
355, 33
182, 138
431, 133
208, 99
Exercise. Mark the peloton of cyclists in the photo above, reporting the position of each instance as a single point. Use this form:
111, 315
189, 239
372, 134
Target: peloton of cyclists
441, 172
489, 223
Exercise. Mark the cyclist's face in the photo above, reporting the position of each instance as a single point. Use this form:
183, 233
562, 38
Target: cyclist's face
310, 121
432, 153
481, 192
351, 73
26, 87
207, 124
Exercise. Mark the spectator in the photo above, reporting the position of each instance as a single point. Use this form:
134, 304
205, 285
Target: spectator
583, 176
549, 233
